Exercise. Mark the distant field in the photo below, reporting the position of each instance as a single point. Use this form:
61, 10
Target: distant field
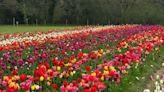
13, 29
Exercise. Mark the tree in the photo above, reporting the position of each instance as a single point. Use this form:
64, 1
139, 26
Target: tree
83, 11
8, 10
35, 9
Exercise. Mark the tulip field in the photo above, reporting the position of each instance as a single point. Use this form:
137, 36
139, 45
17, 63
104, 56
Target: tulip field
79, 59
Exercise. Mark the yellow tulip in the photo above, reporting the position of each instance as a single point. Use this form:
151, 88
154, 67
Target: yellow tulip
101, 51
73, 61
66, 65
71, 73
93, 74
13, 78
102, 78
12, 84
33, 87
49, 70
58, 68
105, 67
41, 78
111, 68
106, 72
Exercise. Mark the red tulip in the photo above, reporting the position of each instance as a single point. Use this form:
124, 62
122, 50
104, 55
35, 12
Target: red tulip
47, 65
112, 73
26, 88
74, 83
87, 68
94, 56
87, 90
80, 55
91, 78
36, 72
54, 86
93, 89
0, 73
72, 57
14, 72
65, 83
42, 68
79, 80
23, 77
36, 79
10, 89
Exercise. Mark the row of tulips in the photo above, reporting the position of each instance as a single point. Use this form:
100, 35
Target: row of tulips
90, 71
38, 32
42, 38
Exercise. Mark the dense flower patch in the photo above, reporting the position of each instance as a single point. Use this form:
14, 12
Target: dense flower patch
89, 59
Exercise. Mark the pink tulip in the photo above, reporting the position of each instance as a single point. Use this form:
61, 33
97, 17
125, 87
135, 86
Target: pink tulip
4, 83
101, 87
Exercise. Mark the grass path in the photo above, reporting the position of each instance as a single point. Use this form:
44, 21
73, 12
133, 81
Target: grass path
150, 84
12, 29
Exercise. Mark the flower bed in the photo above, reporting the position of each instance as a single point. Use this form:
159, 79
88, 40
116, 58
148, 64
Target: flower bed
88, 60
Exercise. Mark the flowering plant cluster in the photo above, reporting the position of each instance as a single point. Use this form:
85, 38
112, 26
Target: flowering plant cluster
88, 59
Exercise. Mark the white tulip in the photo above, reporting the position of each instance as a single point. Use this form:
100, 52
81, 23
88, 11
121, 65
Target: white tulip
157, 77
146, 90
161, 81
156, 83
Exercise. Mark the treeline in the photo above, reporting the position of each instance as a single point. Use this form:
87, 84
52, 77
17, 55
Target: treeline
82, 12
